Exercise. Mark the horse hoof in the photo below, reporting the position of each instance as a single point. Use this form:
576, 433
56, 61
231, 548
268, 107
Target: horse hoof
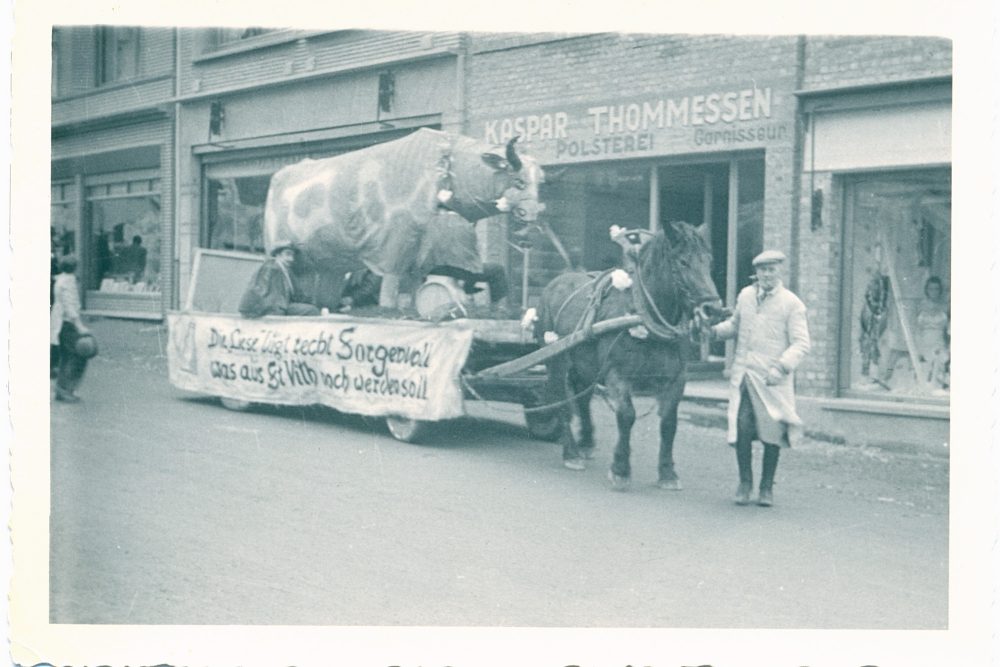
618, 483
670, 484
575, 464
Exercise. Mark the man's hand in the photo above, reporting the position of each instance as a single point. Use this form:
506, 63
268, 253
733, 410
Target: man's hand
774, 375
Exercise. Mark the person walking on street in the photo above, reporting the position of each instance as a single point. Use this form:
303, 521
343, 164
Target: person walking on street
66, 328
772, 337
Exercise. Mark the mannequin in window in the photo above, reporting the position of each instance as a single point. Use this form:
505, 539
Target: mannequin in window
930, 336
933, 326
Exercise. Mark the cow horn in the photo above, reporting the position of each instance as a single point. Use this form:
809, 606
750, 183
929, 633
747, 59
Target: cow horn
512, 157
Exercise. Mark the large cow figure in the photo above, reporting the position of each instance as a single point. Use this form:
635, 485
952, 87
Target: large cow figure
397, 207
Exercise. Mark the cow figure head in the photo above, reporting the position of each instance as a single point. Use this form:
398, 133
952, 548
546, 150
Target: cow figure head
521, 178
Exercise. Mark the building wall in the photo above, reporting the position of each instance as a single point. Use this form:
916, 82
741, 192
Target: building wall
516, 76
830, 63
834, 62
295, 94
90, 120
80, 97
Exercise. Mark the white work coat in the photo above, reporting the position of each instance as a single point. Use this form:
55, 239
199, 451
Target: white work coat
65, 307
772, 333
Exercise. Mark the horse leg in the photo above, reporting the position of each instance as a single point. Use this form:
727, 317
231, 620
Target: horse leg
584, 393
621, 400
668, 399
558, 390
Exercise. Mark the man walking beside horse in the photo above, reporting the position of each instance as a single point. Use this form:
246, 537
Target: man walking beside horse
772, 337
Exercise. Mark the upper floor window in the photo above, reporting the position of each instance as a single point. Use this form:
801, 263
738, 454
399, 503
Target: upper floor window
226, 36
117, 53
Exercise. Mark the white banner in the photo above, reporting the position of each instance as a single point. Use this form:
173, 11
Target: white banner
364, 366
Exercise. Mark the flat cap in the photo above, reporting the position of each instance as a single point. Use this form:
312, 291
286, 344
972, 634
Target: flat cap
769, 257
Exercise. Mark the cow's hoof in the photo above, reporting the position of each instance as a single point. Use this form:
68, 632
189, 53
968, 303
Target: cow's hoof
669, 485
575, 464
618, 482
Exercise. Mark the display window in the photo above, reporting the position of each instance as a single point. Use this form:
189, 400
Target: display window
235, 212
124, 237
581, 205
900, 269
62, 219
234, 195
724, 198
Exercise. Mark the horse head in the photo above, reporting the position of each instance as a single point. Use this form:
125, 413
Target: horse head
679, 262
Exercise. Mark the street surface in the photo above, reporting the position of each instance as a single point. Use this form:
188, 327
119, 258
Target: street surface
169, 509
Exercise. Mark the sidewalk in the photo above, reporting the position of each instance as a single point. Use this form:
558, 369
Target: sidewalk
862, 423
895, 427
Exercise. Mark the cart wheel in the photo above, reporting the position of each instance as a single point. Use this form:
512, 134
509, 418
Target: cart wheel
544, 425
405, 429
235, 404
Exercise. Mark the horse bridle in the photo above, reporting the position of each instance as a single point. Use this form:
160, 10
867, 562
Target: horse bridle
645, 306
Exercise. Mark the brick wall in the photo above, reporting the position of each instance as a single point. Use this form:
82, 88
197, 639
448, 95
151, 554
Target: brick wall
599, 67
835, 62
203, 69
511, 74
832, 62
80, 99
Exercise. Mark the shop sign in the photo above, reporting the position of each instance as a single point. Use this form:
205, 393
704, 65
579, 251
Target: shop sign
358, 365
713, 120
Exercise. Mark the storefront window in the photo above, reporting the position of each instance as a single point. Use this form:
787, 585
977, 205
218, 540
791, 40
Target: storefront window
62, 219
581, 205
235, 213
225, 36
124, 239
900, 266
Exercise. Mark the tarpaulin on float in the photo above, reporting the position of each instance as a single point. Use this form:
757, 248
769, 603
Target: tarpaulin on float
365, 366
381, 204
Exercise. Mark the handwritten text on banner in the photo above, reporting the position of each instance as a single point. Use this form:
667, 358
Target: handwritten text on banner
358, 365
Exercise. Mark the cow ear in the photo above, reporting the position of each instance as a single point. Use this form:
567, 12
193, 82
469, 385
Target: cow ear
495, 161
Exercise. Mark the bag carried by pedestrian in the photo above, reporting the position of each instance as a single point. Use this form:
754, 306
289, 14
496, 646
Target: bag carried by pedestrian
86, 346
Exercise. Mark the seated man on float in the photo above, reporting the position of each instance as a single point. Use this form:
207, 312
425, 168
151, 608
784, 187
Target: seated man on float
272, 289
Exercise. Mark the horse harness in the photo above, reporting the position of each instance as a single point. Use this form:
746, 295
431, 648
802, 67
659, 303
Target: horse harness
659, 327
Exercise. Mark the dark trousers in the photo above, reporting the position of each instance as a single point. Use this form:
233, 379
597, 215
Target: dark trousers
71, 366
746, 433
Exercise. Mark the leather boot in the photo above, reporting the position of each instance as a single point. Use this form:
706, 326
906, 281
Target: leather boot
744, 460
770, 465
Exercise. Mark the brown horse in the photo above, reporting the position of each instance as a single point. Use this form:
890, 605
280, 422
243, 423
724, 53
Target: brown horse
670, 273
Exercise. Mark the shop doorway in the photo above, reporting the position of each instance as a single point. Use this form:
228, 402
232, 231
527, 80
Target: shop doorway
724, 197
725, 200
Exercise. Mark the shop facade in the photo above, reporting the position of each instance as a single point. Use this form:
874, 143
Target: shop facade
834, 150
638, 131
112, 163
875, 219
254, 102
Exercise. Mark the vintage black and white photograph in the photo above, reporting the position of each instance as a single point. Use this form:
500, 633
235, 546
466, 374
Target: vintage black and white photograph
393, 327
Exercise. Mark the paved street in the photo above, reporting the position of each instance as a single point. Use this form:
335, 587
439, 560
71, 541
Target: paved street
169, 509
